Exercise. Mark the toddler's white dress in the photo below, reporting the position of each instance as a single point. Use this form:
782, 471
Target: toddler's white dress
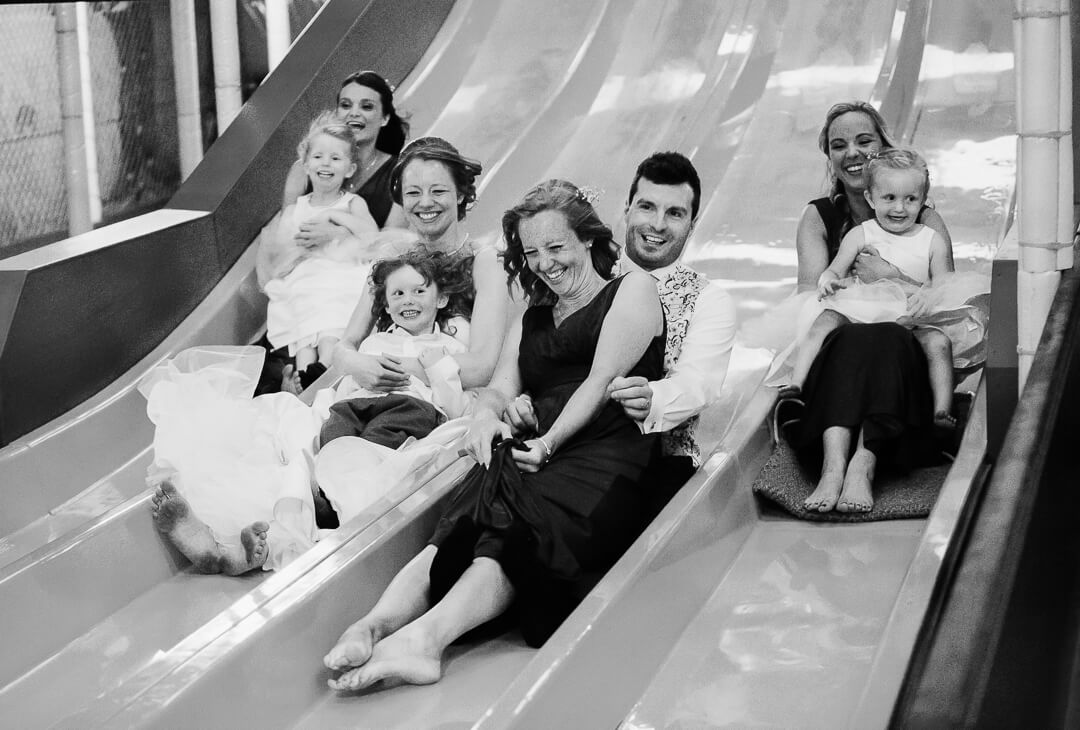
958, 304
317, 297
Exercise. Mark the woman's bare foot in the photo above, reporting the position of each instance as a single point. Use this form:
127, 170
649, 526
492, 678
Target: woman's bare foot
408, 656
252, 552
857, 495
823, 499
290, 381
354, 646
191, 536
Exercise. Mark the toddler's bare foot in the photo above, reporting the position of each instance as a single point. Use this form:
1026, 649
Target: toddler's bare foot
252, 552
290, 381
191, 536
354, 646
407, 656
944, 419
857, 495
823, 499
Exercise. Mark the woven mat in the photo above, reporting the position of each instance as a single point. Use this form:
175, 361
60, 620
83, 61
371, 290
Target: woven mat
896, 497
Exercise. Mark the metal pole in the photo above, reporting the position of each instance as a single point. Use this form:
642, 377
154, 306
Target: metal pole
1066, 222
1039, 34
67, 46
278, 32
186, 69
93, 183
225, 41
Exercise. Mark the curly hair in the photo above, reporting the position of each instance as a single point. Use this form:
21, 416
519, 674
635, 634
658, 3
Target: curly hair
327, 123
463, 170
393, 134
566, 198
451, 274
898, 158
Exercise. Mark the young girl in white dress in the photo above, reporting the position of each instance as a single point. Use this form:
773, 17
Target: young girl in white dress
312, 291
898, 186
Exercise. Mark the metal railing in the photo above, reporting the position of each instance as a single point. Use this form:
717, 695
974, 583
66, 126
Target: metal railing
999, 646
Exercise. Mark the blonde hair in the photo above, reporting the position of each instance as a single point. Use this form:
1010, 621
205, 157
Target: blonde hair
898, 158
327, 123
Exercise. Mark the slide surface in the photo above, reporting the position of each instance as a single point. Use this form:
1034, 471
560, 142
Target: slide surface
582, 91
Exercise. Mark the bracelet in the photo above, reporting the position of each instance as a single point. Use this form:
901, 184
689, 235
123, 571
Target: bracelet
546, 448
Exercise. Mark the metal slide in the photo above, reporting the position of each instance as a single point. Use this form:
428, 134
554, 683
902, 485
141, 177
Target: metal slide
584, 91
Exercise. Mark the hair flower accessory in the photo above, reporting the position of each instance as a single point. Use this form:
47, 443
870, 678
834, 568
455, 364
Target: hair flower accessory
590, 195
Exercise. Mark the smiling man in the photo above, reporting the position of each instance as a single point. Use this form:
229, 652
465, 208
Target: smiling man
660, 214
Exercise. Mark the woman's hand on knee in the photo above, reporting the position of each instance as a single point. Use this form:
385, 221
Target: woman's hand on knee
481, 435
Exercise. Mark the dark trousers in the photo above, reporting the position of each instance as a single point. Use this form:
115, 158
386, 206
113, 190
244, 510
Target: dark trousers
388, 420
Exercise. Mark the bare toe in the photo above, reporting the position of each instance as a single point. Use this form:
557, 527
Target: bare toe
173, 518
823, 498
406, 657
252, 552
169, 509
352, 649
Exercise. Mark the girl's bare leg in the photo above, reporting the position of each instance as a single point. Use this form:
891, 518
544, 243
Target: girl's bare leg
857, 495
304, 357
326, 350
938, 349
837, 443
809, 348
413, 654
405, 599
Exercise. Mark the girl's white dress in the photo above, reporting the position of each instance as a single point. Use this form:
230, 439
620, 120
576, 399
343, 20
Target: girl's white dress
958, 303
318, 295
239, 459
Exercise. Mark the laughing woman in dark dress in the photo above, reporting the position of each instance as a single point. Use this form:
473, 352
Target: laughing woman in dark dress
543, 515
867, 394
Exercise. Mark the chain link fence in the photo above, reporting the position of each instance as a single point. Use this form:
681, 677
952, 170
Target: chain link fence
134, 108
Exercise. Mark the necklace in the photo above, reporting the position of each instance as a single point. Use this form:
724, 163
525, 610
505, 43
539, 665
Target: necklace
431, 248
368, 165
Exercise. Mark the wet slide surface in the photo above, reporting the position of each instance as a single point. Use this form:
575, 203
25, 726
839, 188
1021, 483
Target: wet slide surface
584, 90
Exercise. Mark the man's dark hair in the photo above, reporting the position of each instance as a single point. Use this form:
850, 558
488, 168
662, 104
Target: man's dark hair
668, 168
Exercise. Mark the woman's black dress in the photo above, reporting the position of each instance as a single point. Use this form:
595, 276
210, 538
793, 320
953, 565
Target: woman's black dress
376, 192
555, 532
868, 376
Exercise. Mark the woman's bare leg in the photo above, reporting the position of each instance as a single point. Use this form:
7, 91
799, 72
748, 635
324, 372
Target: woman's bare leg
413, 654
837, 443
405, 599
857, 495
809, 348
